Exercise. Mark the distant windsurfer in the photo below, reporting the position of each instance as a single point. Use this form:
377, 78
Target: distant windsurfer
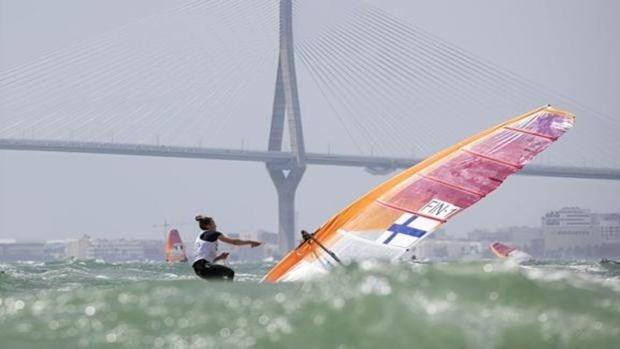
205, 251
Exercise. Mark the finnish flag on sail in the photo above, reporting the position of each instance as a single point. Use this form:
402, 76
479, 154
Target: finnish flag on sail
406, 230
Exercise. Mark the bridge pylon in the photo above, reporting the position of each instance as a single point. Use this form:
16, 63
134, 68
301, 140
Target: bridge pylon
286, 177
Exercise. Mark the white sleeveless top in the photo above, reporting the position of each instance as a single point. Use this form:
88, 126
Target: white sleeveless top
206, 250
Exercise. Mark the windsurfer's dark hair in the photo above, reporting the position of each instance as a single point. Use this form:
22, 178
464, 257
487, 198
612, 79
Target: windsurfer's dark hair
203, 221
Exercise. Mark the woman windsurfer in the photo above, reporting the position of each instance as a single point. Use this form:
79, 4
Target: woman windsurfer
205, 251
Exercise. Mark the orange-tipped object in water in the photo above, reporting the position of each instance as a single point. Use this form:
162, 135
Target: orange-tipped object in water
175, 251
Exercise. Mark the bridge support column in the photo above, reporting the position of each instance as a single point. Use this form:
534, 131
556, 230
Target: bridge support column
286, 186
286, 177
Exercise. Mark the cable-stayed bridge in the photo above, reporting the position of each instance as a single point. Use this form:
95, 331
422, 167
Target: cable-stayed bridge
194, 81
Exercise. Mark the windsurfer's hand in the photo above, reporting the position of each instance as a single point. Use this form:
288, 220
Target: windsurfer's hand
222, 256
254, 243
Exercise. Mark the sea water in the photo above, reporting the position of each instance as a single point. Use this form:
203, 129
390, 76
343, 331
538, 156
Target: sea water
93, 304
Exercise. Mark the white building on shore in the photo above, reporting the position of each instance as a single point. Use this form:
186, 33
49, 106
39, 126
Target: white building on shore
121, 250
12, 251
444, 249
577, 232
78, 248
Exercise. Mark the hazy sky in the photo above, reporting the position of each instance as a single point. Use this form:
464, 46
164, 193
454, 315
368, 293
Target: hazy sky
571, 45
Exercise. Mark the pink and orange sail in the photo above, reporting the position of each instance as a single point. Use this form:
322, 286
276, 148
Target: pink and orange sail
395, 216
501, 250
175, 251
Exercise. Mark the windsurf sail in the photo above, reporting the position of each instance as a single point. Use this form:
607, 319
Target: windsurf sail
506, 252
175, 251
398, 214
501, 250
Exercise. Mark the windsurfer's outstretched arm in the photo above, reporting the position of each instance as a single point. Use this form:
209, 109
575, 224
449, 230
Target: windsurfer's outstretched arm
238, 242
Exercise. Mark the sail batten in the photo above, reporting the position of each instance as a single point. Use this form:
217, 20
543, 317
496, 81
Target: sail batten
399, 213
490, 158
451, 185
549, 138
402, 209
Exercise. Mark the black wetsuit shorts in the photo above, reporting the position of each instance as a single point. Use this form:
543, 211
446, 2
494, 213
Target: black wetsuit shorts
212, 271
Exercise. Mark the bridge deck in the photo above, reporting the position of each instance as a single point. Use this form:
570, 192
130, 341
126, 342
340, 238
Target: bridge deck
277, 157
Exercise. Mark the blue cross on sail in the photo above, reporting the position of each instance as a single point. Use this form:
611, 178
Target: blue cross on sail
407, 229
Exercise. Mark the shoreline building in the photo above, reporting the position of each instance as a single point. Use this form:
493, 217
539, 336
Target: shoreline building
576, 232
13, 251
607, 227
443, 249
125, 250
78, 248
